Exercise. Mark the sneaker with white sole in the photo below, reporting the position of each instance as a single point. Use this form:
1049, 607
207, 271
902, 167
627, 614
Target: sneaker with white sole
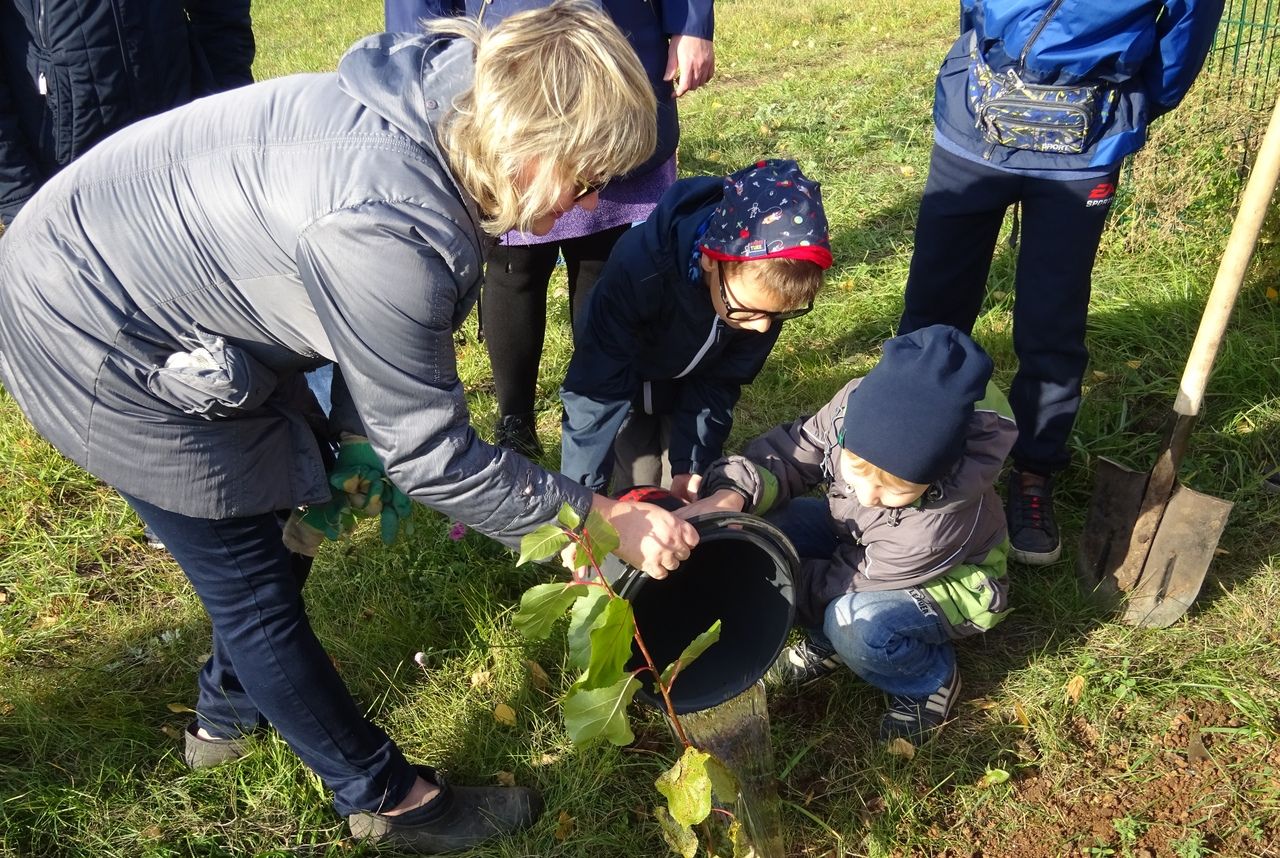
802, 663
914, 718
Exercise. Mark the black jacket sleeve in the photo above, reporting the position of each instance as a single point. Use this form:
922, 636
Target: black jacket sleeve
224, 33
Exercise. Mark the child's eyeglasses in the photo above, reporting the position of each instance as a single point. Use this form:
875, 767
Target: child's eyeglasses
586, 189
747, 314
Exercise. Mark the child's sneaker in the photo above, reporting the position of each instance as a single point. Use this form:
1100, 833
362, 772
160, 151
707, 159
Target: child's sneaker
803, 663
913, 718
1033, 530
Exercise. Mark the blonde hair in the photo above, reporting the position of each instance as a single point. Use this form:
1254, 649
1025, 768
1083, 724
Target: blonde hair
868, 471
793, 283
559, 96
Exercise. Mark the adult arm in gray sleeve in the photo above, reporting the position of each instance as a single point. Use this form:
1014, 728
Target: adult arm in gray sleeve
387, 301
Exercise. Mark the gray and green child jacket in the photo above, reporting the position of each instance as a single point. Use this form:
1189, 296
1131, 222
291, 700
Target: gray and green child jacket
951, 544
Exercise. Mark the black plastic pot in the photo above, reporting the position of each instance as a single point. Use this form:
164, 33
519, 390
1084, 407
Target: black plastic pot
740, 573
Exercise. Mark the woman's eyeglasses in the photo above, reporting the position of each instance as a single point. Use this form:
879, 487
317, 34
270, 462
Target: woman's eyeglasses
586, 189
747, 314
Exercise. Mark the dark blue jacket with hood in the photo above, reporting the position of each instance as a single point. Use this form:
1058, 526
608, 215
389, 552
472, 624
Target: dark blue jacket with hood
651, 339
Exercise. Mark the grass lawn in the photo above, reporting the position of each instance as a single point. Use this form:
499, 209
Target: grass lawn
1119, 741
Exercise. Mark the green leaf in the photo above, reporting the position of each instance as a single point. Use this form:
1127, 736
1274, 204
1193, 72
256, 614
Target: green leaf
695, 648
611, 636
542, 544
687, 787
992, 777
542, 605
568, 517
742, 847
590, 714
679, 837
581, 617
603, 538
724, 783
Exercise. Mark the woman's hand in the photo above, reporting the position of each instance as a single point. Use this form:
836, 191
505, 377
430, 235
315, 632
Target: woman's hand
685, 486
650, 538
725, 500
691, 62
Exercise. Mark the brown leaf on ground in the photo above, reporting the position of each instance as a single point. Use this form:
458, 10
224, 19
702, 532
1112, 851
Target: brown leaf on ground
1075, 686
900, 747
541, 680
564, 826
504, 714
506, 779
479, 678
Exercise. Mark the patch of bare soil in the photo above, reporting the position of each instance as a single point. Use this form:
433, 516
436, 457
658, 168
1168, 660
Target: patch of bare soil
1205, 785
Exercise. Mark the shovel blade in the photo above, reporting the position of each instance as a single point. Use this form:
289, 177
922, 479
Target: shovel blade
1104, 542
1181, 552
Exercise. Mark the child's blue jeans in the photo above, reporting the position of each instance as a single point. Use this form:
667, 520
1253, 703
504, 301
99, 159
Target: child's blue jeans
893, 639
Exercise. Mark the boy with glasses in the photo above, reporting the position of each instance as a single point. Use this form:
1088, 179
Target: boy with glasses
685, 312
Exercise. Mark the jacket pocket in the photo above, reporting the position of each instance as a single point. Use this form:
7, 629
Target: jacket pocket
57, 131
214, 379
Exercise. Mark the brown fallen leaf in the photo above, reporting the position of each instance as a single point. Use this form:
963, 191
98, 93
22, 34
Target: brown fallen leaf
1197, 753
479, 678
983, 704
504, 714
900, 747
1020, 715
1075, 686
506, 779
180, 708
547, 760
564, 826
171, 731
541, 680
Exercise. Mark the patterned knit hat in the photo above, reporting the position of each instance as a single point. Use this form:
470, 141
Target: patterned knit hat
769, 210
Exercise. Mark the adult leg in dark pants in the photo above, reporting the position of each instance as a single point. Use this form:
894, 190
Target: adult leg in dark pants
268, 665
1062, 226
960, 215
515, 321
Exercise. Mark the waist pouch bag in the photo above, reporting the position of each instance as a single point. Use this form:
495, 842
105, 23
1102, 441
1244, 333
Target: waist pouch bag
1010, 112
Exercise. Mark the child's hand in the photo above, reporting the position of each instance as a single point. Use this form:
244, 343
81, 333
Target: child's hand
725, 500
685, 486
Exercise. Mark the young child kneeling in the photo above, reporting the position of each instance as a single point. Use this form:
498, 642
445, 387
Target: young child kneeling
907, 551
684, 313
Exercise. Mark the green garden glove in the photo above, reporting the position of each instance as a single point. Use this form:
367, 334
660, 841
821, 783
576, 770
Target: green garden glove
359, 476
306, 529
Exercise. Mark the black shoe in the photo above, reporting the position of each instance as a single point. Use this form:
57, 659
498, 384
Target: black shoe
1033, 531
915, 718
802, 663
458, 818
518, 432
1271, 482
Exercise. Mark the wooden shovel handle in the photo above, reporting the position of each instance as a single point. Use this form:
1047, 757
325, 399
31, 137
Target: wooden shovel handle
1235, 260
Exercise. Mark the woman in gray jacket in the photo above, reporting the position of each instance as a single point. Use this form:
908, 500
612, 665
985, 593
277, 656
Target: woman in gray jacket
161, 298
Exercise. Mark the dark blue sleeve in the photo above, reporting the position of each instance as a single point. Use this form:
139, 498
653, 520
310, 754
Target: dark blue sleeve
406, 16
704, 411
688, 18
224, 31
602, 376
1186, 31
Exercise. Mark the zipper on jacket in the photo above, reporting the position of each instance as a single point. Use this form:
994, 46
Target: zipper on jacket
1035, 34
40, 24
711, 338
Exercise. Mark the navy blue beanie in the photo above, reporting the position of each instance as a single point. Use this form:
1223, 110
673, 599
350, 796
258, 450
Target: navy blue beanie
909, 416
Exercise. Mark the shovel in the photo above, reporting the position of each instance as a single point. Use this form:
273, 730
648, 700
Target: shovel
1147, 537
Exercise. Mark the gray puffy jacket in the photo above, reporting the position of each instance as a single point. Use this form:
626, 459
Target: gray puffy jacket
279, 227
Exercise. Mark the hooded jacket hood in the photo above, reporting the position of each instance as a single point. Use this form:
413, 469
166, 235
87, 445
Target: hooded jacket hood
391, 74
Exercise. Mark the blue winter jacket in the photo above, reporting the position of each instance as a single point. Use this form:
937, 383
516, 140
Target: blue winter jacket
1150, 51
74, 71
651, 339
648, 24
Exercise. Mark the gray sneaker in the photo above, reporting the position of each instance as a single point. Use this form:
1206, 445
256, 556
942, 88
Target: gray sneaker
201, 753
1033, 529
459, 818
